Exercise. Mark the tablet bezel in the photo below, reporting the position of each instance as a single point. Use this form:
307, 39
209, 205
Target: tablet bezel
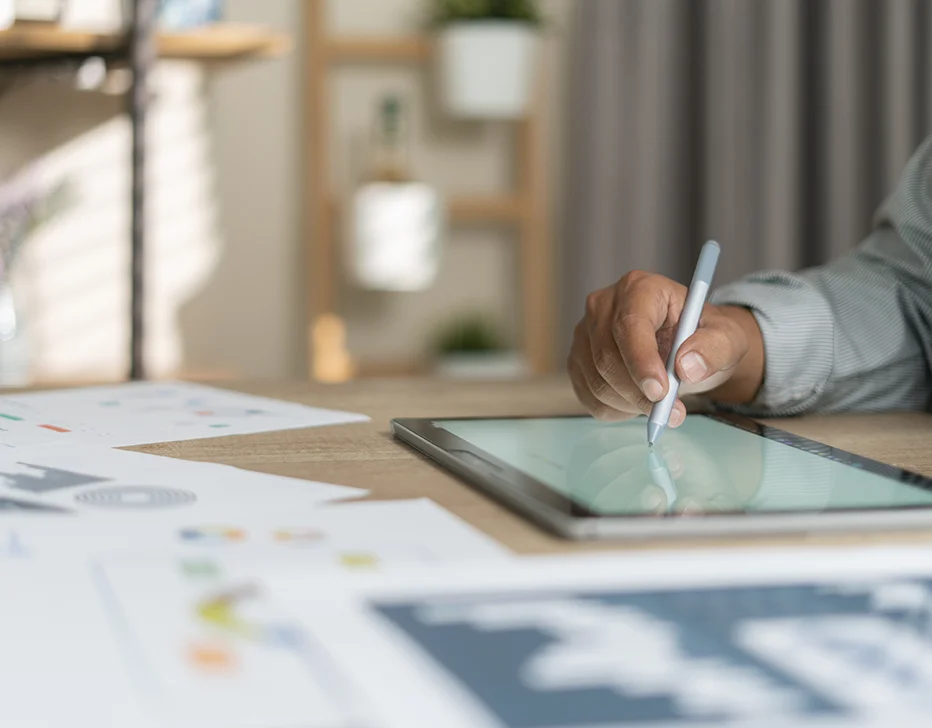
546, 506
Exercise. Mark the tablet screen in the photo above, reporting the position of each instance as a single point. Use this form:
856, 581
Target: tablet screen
707, 466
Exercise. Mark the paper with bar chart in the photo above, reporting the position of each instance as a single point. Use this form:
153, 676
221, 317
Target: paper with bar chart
141, 413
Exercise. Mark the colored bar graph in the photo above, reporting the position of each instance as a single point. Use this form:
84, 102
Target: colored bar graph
53, 428
11, 417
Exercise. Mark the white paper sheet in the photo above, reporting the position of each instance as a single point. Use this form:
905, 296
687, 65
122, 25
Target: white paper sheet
119, 485
352, 537
800, 638
61, 664
182, 645
208, 648
140, 413
23, 427
187, 635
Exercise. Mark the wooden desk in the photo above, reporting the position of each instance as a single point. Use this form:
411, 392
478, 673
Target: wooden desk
366, 456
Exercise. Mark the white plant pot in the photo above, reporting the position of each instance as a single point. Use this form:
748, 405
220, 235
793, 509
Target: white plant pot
490, 365
486, 68
395, 236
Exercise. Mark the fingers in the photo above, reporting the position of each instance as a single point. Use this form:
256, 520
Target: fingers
596, 395
616, 365
596, 408
708, 357
636, 340
642, 309
677, 415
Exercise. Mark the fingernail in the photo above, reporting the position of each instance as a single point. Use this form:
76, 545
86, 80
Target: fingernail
694, 367
652, 389
677, 416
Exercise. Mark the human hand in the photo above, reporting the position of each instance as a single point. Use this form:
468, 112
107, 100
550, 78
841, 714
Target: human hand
617, 363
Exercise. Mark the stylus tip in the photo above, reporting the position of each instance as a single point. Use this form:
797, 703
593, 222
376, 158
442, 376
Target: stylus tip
654, 431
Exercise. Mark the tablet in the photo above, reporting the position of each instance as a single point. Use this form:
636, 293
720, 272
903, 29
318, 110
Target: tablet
714, 475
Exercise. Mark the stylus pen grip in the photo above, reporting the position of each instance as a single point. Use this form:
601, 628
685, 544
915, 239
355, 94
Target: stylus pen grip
689, 321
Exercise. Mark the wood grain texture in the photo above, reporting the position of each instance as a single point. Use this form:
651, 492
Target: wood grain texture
416, 49
366, 456
224, 41
320, 246
537, 279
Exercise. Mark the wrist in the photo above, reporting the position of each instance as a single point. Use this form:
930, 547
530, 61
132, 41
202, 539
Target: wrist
747, 377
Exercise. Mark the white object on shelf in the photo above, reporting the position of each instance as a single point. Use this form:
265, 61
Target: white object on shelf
36, 11
486, 68
395, 236
99, 16
482, 365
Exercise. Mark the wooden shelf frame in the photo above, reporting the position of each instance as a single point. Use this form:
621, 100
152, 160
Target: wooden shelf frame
219, 42
525, 208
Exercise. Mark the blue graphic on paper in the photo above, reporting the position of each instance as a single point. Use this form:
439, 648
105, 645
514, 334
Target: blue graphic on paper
797, 654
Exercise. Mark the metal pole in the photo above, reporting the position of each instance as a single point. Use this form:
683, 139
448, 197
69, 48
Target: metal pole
142, 55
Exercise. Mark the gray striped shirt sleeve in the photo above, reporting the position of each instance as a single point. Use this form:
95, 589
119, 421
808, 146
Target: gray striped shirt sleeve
855, 334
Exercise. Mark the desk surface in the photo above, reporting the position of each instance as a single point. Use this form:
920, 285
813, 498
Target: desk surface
366, 456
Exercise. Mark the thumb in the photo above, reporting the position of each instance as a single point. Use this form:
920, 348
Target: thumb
709, 357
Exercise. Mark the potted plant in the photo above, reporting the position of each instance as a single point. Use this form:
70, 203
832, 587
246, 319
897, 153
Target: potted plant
471, 347
486, 50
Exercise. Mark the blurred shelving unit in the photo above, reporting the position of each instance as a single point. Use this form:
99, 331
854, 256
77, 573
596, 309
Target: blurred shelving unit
222, 42
38, 48
525, 208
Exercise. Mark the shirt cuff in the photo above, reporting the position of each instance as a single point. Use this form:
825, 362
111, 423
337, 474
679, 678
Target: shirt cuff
799, 340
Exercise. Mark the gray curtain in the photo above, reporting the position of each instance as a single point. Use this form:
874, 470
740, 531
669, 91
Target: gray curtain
773, 126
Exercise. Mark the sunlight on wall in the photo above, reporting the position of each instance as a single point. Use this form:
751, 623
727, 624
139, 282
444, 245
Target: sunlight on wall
73, 281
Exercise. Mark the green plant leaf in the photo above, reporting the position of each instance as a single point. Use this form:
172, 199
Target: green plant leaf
473, 332
453, 11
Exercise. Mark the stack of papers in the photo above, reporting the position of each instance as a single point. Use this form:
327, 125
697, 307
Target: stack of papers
133, 584
176, 621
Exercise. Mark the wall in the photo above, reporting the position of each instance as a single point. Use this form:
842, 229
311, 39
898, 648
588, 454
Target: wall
72, 279
249, 321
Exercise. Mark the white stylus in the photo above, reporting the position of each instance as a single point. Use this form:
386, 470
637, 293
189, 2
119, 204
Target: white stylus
689, 320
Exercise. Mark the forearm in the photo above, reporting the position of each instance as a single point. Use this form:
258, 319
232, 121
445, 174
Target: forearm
853, 334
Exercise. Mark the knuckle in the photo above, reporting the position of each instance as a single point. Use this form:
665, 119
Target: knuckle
594, 304
631, 278
623, 325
